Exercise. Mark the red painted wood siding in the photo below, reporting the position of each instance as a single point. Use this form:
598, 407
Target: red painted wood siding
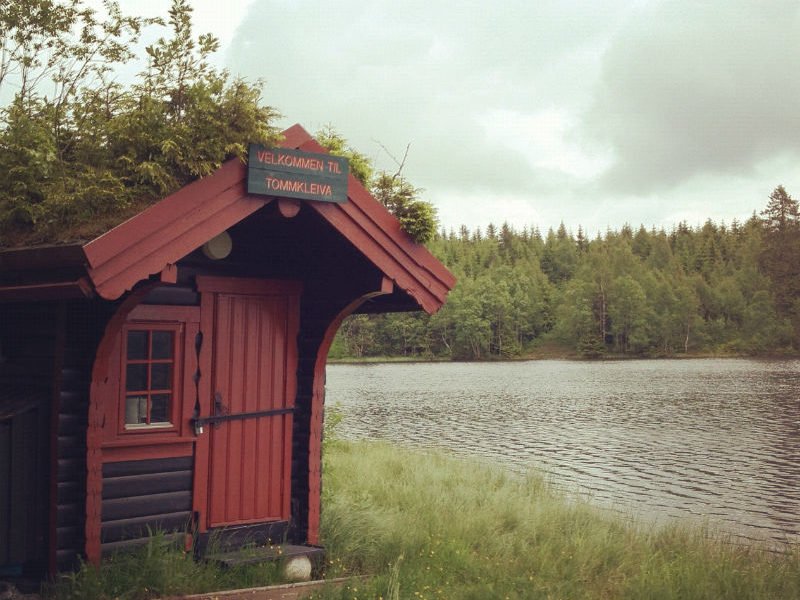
254, 365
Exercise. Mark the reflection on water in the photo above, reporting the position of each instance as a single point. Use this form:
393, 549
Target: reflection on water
715, 440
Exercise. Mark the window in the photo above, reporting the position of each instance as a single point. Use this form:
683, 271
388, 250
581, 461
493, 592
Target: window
149, 376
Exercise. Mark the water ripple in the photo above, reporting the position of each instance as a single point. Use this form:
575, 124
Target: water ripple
717, 441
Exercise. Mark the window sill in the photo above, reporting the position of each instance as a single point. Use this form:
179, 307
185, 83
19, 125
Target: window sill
138, 428
149, 438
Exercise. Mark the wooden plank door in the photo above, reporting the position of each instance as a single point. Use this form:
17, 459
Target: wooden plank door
253, 385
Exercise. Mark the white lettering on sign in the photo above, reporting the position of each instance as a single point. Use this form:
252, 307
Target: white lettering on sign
301, 187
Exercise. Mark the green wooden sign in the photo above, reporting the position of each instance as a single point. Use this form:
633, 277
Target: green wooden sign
296, 174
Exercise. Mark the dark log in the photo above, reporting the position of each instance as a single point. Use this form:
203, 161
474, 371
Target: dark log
139, 467
173, 295
71, 424
142, 527
5, 496
71, 446
140, 506
67, 515
70, 469
70, 537
145, 484
66, 559
69, 491
137, 543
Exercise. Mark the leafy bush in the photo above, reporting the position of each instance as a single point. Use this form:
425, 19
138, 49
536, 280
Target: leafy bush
95, 152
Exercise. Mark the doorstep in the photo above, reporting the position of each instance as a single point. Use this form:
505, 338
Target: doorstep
289, 591
253, 556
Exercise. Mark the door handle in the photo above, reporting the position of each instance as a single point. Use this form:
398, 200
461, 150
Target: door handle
219, 408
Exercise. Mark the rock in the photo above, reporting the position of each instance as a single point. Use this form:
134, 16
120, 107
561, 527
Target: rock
8, 591
297, 568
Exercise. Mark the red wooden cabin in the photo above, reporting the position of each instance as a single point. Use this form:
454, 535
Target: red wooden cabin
148, 382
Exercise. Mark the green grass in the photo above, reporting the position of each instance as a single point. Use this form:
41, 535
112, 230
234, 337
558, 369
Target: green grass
159, 569
433, 526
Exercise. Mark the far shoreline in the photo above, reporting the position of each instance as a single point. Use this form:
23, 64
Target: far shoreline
540, 356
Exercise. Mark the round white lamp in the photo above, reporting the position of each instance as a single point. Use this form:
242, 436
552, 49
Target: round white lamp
218, 247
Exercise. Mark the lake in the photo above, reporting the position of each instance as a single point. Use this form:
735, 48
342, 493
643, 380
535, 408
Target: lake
709, 440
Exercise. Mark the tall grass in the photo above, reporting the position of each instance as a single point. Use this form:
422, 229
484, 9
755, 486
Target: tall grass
433, 526
158, 569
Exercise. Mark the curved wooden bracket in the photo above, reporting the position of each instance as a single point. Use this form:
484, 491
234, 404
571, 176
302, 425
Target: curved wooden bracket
169, 274
318, 403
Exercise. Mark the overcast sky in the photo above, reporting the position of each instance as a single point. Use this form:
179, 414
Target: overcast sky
587, 112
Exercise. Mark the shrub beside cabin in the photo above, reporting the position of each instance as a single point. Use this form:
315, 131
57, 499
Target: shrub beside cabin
170, 374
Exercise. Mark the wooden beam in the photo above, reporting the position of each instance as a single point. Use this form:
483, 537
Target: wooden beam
169, 274
80, 288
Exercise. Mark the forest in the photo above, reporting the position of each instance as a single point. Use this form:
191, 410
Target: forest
714, 289
80, 151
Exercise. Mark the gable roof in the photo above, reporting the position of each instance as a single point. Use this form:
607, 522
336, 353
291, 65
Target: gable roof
153, 241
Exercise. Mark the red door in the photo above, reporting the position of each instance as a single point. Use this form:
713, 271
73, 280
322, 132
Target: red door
253, 387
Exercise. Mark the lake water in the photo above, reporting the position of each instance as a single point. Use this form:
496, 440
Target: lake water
711, 440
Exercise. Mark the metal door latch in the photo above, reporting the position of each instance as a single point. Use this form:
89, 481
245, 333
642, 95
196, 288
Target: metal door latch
222, 413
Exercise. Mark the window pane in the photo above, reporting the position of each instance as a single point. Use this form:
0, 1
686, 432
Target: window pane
136, 378
135, 410
137, 345
161, 376
162, 344
159, 408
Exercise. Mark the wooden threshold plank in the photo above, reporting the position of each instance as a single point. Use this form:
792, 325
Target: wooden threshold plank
290, 591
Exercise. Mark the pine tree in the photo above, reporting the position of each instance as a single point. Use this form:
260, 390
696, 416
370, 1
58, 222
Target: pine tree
780, 257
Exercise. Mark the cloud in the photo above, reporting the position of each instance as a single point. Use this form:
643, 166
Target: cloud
594, 113
429, 74
691, 88
545, 139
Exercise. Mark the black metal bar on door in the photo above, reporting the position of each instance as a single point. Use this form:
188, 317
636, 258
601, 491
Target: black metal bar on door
200, 421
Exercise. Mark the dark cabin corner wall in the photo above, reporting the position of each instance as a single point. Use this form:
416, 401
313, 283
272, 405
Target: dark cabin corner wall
47, 350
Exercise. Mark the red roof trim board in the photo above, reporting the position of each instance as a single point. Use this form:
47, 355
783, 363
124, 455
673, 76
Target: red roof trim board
169, 230
423, 276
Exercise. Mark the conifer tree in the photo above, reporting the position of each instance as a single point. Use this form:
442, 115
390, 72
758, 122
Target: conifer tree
780, 257
417, 216
626, 293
